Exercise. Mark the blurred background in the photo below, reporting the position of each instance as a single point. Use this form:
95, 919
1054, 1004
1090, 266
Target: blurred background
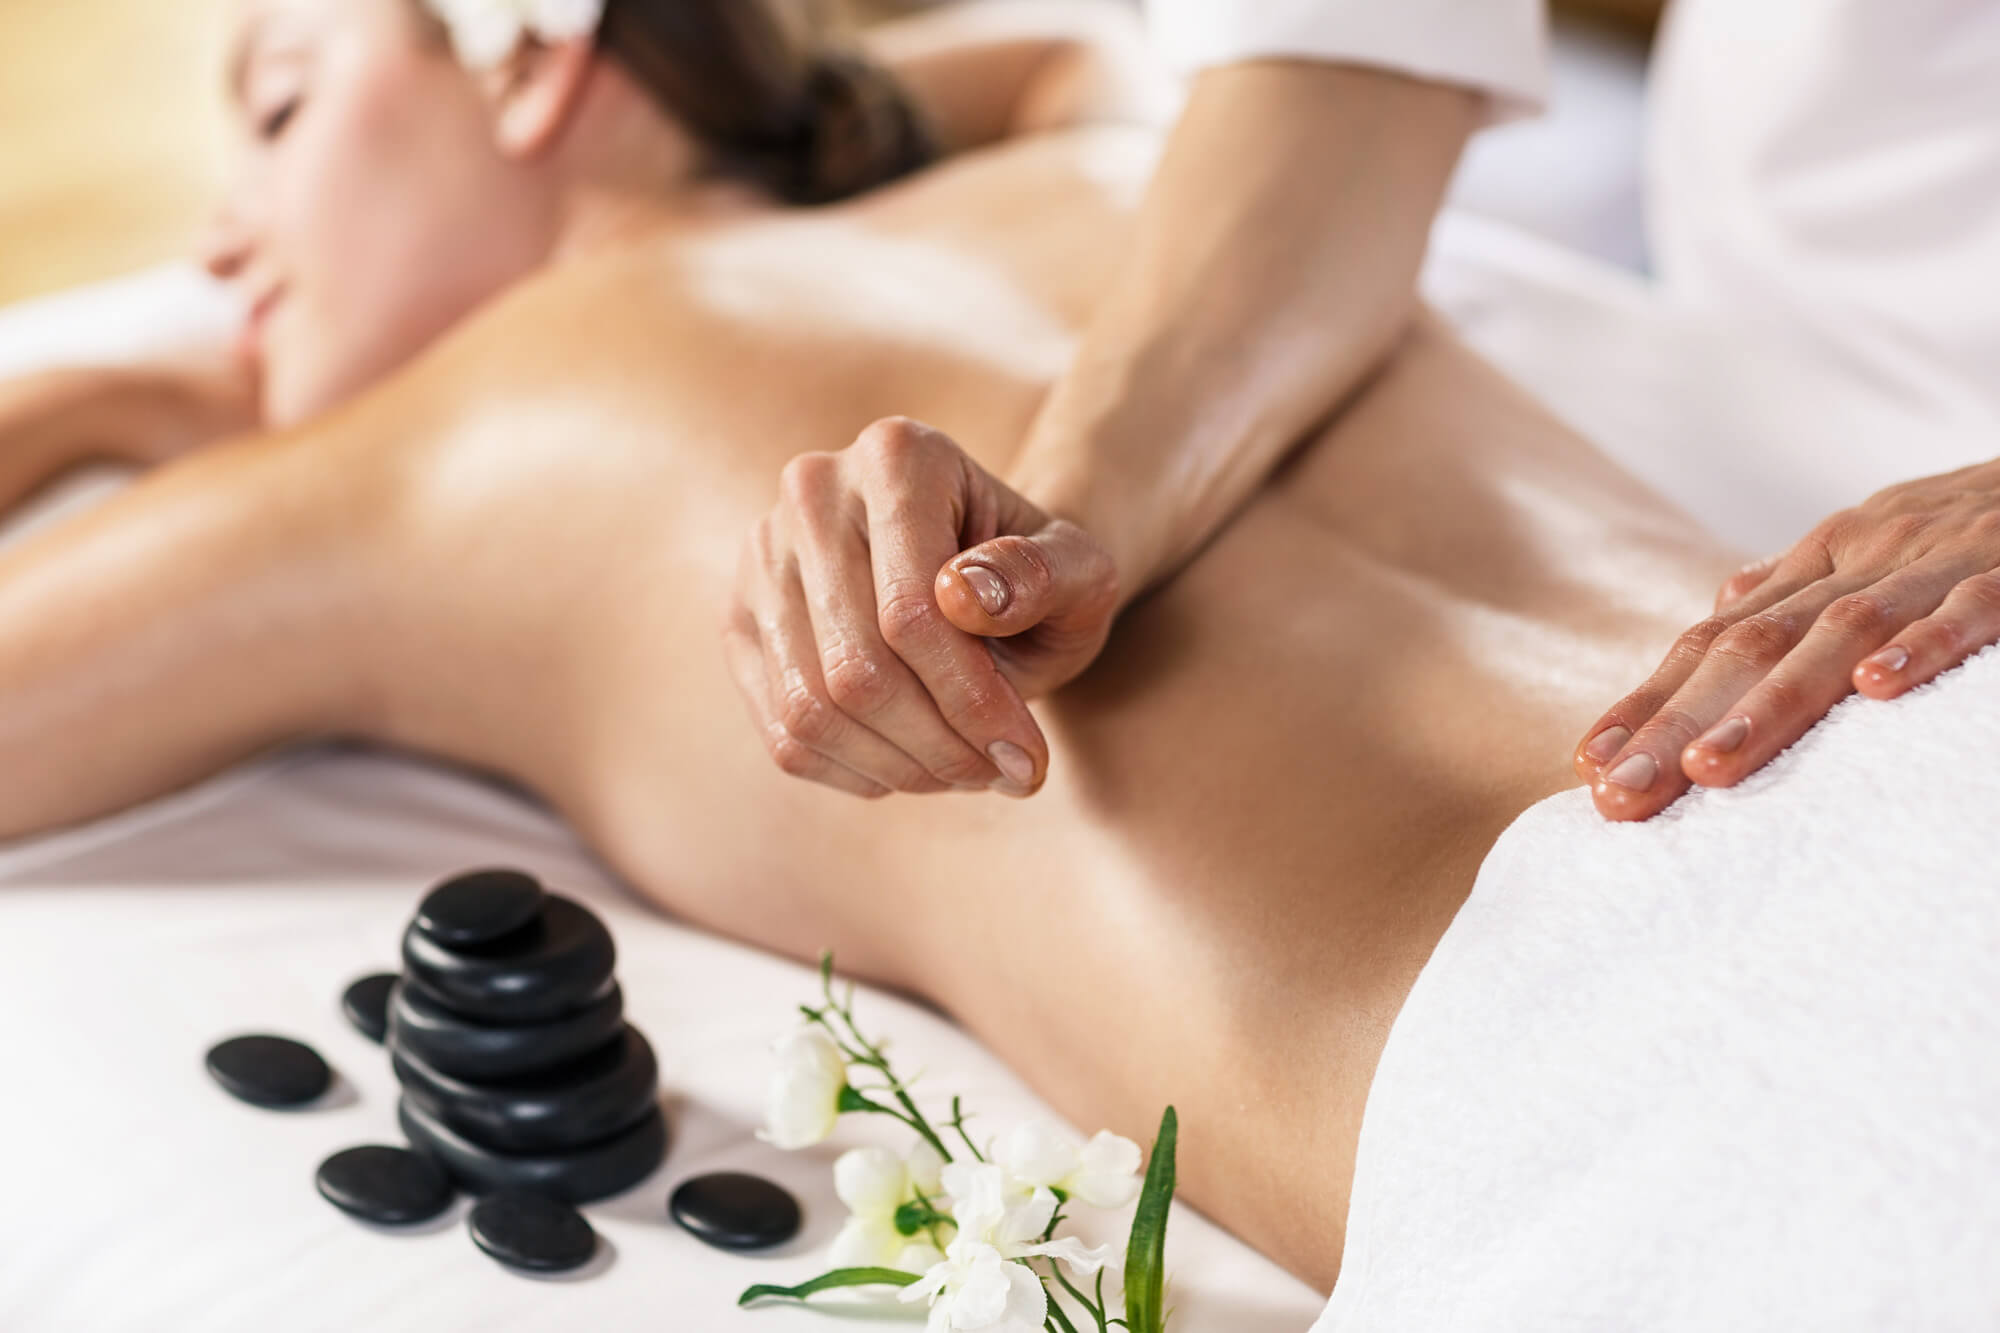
112, 135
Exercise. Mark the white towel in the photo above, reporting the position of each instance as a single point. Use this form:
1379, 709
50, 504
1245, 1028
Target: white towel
1735, 1068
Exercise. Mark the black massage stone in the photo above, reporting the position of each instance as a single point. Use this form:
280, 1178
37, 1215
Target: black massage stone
569, 1107
366, 1004
557, 963
734, 1211
463, 1048
388, 1186
579, 1176
532, 1231
274, 1072
480, 907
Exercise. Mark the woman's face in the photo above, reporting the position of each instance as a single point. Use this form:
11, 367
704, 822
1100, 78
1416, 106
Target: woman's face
371, 209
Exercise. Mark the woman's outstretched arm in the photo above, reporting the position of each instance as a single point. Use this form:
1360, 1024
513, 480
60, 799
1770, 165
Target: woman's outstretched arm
55, 420
212, 610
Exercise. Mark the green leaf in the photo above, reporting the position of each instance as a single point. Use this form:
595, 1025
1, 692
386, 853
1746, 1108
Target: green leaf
1145, 1257
839, 1277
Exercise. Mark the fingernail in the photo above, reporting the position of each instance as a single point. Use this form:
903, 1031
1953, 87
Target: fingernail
1635, 774
1726, 737
1891, 659
993, 594
1013, 761
1608, 743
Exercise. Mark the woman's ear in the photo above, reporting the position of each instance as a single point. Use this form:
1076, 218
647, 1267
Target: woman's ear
536, 93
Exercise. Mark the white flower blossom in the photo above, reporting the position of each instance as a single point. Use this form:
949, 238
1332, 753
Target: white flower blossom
805, 1092
976, 1289
982, 1286
874, 1183
485, 32
1103, 1173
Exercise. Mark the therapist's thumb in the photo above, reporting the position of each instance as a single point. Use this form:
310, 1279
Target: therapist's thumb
1058, 582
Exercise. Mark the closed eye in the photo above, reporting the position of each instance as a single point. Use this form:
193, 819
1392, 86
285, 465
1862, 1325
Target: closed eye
273, 122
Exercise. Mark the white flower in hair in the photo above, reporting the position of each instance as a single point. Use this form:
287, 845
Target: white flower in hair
486, 32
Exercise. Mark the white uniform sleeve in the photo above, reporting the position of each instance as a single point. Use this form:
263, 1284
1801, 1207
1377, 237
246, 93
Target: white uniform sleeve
1499, 47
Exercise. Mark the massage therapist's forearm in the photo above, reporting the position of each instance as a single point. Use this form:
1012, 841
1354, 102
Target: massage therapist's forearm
1275, 269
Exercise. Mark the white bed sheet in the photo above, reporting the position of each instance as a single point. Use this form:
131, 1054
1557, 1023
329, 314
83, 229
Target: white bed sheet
139, 1198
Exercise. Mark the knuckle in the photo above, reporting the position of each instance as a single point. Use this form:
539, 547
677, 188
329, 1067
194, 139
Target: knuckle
1673, 727
856, 682
1985, 525
805, 717
1782, 697
805, 478
791, 757
1939, 638
893, 438
1695, 641
1982, 592
976, 707
1760, 641
1902, 535
907, 616
1860, 615
1832, 534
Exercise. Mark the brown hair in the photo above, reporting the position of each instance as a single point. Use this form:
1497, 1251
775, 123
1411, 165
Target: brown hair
766, 87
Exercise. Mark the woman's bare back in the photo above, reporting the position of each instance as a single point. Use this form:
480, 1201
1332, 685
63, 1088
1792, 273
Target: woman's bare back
1265, 801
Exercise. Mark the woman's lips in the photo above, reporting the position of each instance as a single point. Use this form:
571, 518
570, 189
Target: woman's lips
251, 340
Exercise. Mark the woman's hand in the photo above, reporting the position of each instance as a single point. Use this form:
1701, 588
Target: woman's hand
897, 608
1878, 599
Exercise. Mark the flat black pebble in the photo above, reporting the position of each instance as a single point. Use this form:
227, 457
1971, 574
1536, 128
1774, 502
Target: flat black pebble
366, 1004
532, 1231
555, 964
574, 1106
580, 1176
389, 1186
465, 1048
274, 1072
479, 907
734, 1211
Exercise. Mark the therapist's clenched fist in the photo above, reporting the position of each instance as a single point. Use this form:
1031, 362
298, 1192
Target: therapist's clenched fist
898, 607
1878, 599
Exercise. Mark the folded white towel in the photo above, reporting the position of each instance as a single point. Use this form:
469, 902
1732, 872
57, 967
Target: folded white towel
147, 315
1735, 1068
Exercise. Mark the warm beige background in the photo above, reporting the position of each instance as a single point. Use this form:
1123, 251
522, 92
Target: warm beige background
112, 137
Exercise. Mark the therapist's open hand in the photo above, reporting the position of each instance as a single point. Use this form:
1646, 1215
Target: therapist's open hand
1878, 599
898, 607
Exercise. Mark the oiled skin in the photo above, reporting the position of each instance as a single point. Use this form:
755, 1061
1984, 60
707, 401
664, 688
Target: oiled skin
1266, 801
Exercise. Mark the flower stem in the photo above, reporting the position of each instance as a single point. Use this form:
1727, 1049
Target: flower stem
1095, 1308
870, 1055
1056, 1314
957, 1122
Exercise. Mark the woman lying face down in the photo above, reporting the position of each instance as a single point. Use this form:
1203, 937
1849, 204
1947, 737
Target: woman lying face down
517, 457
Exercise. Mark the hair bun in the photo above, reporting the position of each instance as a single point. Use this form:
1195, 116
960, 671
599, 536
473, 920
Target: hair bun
864, 131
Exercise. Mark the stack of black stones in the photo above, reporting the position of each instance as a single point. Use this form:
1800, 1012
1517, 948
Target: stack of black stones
522, 1083
508, 1034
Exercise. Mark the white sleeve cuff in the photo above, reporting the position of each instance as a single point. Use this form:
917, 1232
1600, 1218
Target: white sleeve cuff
1497, 47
